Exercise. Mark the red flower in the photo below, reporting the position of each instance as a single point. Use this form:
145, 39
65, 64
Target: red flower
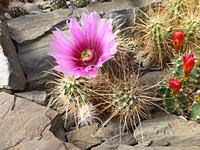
178, 40
175, 85
188, 64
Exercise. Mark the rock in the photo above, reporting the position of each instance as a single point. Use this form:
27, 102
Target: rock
24, 124
70, 146
152, 78
84, 137
114, 142
127, 147
11, 73
33, 35
169, 131
35, 96
31, 27
120, 18
32, 8
115, 5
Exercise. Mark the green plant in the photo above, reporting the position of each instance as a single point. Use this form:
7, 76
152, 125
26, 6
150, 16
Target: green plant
183, 103
155, 29
56, 4
79, 3
74, 94
16, 9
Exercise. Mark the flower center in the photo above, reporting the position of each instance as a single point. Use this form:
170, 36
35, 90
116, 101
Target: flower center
86, 55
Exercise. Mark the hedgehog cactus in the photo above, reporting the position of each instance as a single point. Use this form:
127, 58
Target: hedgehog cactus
175, 7
79, 3
128, 102
56, 4
181, 102
16, 9
175, 104
158, 33
195, 108
73, 94
191, 28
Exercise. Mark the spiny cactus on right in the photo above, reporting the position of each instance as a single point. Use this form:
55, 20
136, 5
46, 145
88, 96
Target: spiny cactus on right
175, 7
155, 29
187, 82
158, 32
194, 111
79, 3
16, 9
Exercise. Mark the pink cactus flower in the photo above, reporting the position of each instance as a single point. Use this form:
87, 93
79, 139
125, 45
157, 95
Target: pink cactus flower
91, 45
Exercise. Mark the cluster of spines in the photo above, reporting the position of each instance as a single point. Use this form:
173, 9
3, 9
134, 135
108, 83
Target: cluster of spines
175, 105
79, 3
184, 102
191, 28
56, 4
16, 9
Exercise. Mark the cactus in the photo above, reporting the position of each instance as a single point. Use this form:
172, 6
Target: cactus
157, 33
155, 30
175, 105
194, 111
16, 9
73, 94
79, 3
191, 27
56, 4
128, 101
175, 7
180, 103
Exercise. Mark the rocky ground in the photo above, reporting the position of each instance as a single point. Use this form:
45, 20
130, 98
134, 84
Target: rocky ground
25, 120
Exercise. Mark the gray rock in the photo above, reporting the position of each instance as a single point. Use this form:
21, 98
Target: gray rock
152, 78
35, 96
25, 125
11, 73
70, 146
168, 131
33, 35
32, 8
114, 142
127, 147
115, 5
30, 27
84, 137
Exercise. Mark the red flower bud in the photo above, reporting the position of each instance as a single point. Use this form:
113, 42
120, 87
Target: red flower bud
175, 85
188, 64
178, 40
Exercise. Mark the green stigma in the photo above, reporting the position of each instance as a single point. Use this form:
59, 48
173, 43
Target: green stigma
86, 55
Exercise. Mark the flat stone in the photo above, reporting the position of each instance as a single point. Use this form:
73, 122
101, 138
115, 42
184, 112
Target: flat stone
33, 33
127, 147
35, 96
25, 125
84, 137
115, 5
152, 78
168, 131
30, 27
115, 141
11, 73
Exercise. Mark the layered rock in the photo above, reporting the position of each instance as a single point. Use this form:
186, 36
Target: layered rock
11, 73
24, 124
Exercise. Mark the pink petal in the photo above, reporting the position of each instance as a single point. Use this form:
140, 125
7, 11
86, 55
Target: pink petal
90, 24
77, 34
60, 47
